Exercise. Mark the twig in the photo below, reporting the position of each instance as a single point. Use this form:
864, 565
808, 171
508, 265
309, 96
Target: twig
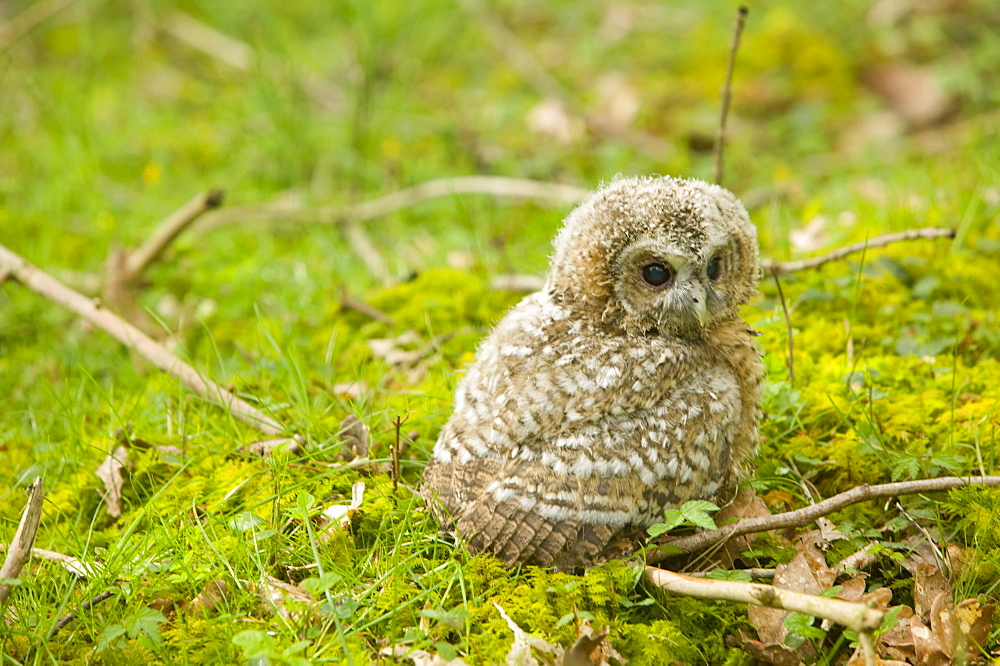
517, 282
858, 617
66, 619
20, 546
363, 246
348, 303
775, 267
788, 326
69, 617
33, 15
720, 138
806, 515
140, 258
45, 285
398, 422
292, 210
208, 40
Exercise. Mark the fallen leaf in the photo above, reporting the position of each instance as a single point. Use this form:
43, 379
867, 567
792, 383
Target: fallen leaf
928, 584
341, 514
914, 93
354, 438
110, 472
210, 596
287, 601
617, 102
550, 119
521, 654
268, 447
591, 648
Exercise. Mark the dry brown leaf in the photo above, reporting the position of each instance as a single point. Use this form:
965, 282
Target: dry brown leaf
268, 447
287, 601
928, 584
797, 576
591, 648
928, 651
524, 648
746, 505
210, 596
550, 119
914, 93
110, 472
350, 390
773, 653
354, 438
811, 237
618, 103
418, 657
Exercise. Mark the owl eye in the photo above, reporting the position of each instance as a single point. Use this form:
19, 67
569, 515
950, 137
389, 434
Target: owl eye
714, 269
656, 274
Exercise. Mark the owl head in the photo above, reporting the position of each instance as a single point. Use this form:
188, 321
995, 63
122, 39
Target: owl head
656, 256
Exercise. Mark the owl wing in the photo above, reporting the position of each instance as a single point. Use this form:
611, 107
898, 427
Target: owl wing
564, 443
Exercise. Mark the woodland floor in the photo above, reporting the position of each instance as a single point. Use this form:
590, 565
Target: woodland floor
848, 121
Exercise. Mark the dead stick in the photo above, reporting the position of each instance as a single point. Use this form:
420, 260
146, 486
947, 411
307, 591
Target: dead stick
45, 285
69, 617
35, 14
720, 139
773, 266
702, 540
348, 303
858, 617
20, 547
497, 186
140, 258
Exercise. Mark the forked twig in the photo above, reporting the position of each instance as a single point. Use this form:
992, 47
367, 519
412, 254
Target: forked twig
727, 92
775, 267
47, 286
140, 258
702, 540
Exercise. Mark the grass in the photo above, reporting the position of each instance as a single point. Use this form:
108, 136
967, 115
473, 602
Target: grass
108, 123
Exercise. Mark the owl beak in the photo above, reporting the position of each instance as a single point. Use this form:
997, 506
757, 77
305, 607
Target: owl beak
699, 303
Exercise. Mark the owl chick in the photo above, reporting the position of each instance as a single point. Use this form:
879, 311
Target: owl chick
628, 385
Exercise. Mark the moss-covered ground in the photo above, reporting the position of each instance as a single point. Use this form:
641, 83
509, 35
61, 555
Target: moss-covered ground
110, 119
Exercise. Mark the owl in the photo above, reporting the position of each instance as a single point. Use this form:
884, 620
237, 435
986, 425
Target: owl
628, 385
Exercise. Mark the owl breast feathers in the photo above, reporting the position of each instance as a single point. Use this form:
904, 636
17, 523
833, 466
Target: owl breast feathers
628, 385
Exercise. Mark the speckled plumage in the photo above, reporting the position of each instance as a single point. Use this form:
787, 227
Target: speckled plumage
601, 400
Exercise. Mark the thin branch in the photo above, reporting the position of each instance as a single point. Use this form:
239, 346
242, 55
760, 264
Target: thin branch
858, 617
517, 282
140, 258
702, 540
775, 267
208, 40
720, 138
788, 326
45, 285
348, 303
33, 15
69, 617
293, 210
20, 546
